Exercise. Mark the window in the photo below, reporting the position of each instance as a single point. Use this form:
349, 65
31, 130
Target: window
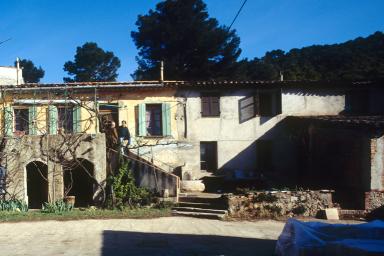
65, 119
266, 103
269, 103
153, 119
108, 113
210, 105
22, 120
247, 108
208, 155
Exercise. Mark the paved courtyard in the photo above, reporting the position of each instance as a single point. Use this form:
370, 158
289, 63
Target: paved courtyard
162, 236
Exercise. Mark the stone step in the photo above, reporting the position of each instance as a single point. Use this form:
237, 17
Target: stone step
204, 215
201, 205
352, 214
193, 209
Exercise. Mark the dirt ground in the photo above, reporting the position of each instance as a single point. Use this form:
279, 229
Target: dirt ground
161, 236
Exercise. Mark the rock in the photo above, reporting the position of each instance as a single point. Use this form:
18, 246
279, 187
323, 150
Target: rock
192, 186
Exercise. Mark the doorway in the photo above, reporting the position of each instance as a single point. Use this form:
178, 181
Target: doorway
37, 184
78, 182
108, 113
208, 156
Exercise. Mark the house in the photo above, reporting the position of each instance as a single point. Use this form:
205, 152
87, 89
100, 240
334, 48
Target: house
257, 131
11, 75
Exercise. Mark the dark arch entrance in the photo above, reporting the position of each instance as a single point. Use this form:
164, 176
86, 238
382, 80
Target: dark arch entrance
78, 181
37, 184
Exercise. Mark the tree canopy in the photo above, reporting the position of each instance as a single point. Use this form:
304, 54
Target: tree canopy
31, 74
92, 64
358, 59
192, 45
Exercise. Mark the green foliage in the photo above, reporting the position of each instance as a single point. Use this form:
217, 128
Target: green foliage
31, 73
13, 205
57, 207
192, 45
358, 59
92, 64
164, 204
126, 192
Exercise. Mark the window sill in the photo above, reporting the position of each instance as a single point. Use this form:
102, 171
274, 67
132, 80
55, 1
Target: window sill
210, 116
155, 137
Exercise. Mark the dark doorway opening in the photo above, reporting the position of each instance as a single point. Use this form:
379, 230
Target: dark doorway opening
78, 182
208, 156
37, 184
108, 113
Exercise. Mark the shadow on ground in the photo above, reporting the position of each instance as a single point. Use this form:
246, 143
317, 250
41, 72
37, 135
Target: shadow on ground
137, 243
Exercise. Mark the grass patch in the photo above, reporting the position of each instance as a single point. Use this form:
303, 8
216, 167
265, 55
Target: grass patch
77, 214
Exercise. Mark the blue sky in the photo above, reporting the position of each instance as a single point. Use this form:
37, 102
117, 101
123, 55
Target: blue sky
48, 32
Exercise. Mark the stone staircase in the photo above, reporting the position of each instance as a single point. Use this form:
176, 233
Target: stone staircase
200, 205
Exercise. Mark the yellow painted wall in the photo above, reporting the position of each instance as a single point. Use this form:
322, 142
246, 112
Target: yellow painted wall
126, 101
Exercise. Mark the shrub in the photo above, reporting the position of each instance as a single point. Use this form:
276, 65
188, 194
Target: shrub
13, 205
126, 192
57, 207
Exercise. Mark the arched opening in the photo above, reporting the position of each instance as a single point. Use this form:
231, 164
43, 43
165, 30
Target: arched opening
78, 182
37, 184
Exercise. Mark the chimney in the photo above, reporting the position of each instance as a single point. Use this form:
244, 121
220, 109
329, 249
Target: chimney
17, 70
161, 71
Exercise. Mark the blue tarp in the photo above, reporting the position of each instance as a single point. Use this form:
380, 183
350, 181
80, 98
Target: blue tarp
317, 238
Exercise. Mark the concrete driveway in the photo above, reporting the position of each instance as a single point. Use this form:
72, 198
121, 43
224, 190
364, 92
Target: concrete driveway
162, 236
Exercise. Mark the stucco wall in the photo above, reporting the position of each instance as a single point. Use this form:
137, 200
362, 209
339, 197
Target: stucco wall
11, 76
235, 140
312, 102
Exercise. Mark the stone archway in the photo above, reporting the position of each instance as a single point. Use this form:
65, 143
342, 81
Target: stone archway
37, 184
79, 181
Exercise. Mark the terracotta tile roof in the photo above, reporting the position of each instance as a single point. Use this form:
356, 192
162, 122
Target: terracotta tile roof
211, 83
362, 121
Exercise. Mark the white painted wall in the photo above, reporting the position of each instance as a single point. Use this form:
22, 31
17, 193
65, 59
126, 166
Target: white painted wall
11, 76
234, 137
298, 102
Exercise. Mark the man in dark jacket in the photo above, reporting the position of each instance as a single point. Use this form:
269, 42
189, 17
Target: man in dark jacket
124, 135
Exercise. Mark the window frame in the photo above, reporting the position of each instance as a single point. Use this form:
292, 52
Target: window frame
71, 108
211, 112
14, 130
153, 105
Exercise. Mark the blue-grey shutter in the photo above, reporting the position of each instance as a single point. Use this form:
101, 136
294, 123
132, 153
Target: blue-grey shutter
8, 121
76, 119
142, 122
166, 119
32, 120
52, 118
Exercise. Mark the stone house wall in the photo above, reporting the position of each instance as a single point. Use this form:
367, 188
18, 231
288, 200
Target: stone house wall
19, 152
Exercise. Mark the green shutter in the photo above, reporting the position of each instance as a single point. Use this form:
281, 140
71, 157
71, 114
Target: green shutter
166, 119
8, 121
142, 124
32, 120
52, 118
76, 119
